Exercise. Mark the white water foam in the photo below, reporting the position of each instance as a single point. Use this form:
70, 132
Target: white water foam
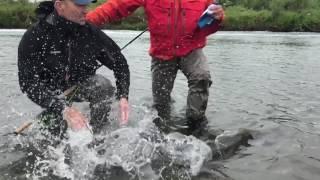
140, 150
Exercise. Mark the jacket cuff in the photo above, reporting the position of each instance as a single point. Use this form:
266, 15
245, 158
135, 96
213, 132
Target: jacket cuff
119, 96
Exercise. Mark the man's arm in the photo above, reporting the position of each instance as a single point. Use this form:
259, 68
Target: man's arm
218, 14
113, 10
112, 58
29, 72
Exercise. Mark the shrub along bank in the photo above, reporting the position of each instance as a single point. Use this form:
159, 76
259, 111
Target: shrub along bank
247, 15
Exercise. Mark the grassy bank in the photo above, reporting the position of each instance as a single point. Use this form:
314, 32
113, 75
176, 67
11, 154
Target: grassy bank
241, 18
16, 14
273, 15
257, 15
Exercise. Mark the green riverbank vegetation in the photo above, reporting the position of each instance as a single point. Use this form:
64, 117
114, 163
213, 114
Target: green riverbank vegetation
245, 15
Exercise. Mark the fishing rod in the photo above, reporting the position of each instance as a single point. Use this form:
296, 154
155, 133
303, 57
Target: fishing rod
134, 39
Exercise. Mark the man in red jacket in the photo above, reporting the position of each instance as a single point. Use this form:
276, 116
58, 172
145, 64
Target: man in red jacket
176, 44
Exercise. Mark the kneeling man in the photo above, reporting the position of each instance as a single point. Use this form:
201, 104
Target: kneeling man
57, 61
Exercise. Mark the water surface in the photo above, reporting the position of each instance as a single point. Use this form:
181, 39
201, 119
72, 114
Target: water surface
266, 82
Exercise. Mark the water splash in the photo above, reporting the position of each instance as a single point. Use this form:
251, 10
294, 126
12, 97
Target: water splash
138, 151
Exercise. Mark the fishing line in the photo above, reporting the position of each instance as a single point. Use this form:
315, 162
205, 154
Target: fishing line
134, 39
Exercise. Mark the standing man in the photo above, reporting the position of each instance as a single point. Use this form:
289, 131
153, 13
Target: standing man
176, 44
57, 62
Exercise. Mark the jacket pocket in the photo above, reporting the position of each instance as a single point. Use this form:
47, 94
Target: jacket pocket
191, 10
55, 61
160, 17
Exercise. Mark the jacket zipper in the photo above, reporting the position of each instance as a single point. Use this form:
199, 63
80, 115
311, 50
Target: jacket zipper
169, 21
67, 68
183, 20
176, 10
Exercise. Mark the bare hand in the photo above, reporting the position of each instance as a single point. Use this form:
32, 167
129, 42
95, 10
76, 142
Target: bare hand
217, 11
75, 119
124, 111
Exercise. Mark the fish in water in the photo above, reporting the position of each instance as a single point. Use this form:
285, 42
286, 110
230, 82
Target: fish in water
149, 154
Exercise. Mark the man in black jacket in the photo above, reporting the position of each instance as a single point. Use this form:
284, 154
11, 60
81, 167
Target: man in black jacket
61, 53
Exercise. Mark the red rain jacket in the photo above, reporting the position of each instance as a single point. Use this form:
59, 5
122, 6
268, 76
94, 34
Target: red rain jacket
172, 23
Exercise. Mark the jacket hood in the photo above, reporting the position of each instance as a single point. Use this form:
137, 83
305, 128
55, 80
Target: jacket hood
45, 12
44, 9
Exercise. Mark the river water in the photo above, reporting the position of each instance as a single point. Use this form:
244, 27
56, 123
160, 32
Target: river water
262, 81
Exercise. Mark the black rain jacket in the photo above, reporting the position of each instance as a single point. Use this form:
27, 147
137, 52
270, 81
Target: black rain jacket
55, 54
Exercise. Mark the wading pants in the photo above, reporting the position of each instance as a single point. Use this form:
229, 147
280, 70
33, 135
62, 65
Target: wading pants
98, 91
195, 67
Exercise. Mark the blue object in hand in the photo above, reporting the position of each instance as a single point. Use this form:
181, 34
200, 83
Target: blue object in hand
207, 18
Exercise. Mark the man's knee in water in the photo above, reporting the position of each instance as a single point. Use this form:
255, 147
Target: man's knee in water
102, 88
198, 98
104, 84
200, 82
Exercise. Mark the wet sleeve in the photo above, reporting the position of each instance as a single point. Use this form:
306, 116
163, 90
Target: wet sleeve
210, 29
30, 58
113, 10
112, 58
